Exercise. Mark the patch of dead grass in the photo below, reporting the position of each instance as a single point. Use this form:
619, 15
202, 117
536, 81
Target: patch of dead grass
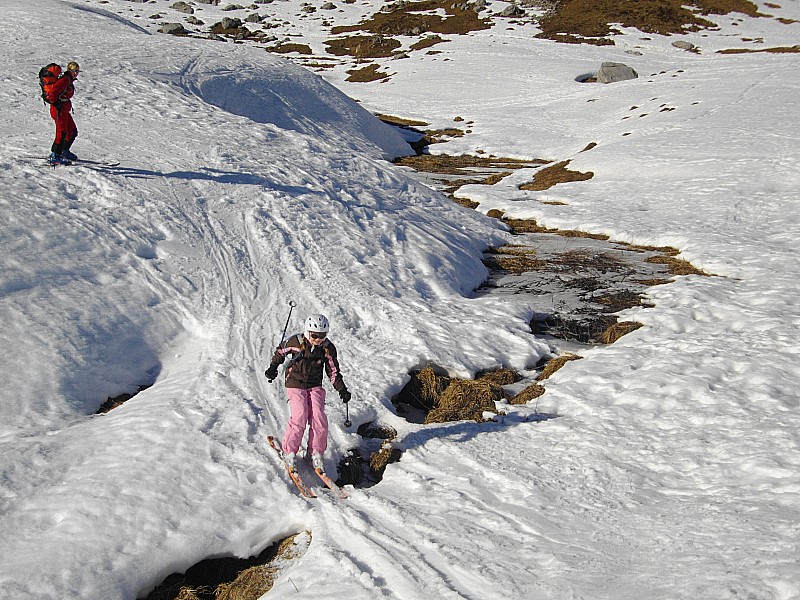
230, 578
289, 48
591, 21
379, 460
514, 259
427, 42
778, 50
617, 330
445, 399
413, 18
548, 177
461, 164
366, 74
555, 364
531, 392
401, 122
676, 266
363, 46
504, 376
532, 226
465, 400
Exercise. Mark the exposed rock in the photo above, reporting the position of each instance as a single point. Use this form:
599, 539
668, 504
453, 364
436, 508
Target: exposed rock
229, 23
254, 18
683, 45
182, 7
513, 11
611, 72
172, 29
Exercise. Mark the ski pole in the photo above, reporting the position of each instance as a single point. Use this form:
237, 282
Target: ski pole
347, 422
292, 304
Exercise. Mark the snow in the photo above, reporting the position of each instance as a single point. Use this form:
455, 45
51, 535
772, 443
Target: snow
672, 469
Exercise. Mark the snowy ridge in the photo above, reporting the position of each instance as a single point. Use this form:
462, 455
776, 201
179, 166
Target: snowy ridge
245, 181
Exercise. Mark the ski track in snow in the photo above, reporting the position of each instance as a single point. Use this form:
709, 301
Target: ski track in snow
671, 470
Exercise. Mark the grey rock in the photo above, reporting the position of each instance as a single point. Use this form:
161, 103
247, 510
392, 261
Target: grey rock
230, 23
172, 29
182, 7
683, 45
611, 72
513, 11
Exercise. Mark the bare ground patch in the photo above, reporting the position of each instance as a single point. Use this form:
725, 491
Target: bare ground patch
593, 21
456, 171
363, 46
582, 283
232, 578
778, 50
290, 48
416, 18
553, 175
367, 74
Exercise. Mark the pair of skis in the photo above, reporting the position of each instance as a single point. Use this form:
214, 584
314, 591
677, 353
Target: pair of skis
294, 475
79, 162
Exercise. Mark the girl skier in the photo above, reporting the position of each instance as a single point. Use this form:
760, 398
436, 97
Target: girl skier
311, 354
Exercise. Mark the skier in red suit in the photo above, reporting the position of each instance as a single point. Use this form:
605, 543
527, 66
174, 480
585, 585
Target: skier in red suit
61, 111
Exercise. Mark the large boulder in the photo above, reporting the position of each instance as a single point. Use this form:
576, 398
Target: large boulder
611, 72
173, 29
182, 7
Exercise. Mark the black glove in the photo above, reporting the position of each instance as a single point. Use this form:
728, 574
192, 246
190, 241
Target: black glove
345, 395
271, 373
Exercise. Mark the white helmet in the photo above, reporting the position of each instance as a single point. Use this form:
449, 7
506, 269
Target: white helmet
318, 323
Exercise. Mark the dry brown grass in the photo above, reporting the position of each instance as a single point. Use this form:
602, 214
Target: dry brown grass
254, 582
676, 266
464, 164
424, 389
555, 364
363, 46
465, 400
401, 122
778, 50
591, 21
514, 259
553, 175
231, 578
289, 48
504, 376
532, 226
531, 392
251, 584
379, 460
424, 17
366, 74
617, 330
189, 593
427, 42
447, 399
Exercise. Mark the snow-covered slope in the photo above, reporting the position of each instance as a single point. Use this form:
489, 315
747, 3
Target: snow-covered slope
246, 181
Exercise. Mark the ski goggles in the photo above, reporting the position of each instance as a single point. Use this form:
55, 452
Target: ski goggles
317, 335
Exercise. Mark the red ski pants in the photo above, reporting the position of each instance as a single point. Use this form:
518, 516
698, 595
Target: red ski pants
66, 131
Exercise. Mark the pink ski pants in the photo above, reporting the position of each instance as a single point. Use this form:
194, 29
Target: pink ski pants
307, 408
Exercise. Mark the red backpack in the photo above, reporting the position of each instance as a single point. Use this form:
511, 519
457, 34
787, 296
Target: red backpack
47, 78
